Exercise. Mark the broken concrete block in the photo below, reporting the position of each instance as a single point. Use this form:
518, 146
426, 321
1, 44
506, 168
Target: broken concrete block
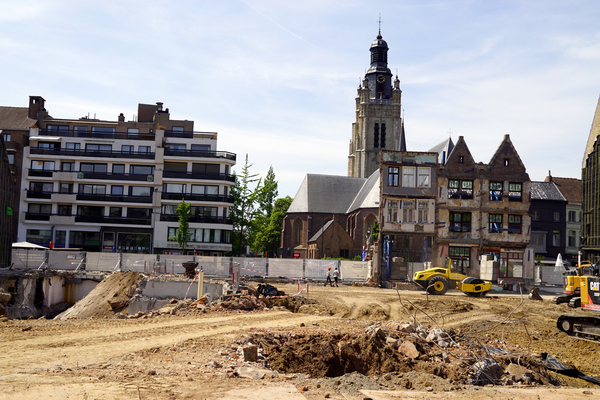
484, 372
250, 352
409, 350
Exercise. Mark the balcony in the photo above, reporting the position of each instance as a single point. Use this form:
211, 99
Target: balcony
112, 220
39, 172
99, 135
37, 216
114, 198
195, 175
197, 197
190, 134
199, 153
38, 195
113, 176
198, 218
72, 153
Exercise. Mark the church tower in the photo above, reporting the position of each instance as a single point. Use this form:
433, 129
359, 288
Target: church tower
378, 122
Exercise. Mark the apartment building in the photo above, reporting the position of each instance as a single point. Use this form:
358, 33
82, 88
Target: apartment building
113, 186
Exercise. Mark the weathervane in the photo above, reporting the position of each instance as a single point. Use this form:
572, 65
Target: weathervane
380, 23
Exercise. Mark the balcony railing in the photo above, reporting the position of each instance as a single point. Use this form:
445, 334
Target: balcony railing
197, 197
39, 172
114, 176
91, 153
198, 218
37, 216
196, 175
98, 135
200, 153
190, 134
39, 195
112, 220
114, 198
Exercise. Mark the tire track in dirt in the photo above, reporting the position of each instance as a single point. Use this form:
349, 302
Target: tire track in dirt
94, 346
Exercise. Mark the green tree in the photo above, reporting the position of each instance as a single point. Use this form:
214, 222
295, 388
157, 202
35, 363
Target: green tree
265, 200
183, 235
267, 236
243, 211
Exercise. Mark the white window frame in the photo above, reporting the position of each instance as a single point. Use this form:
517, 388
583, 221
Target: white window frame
408, 177
408, 211
424, 177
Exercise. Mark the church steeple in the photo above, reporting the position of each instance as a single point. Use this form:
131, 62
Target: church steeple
378, 74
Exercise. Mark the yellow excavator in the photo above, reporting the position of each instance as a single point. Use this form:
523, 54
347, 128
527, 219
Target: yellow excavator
584, 327
572, 284
438, 280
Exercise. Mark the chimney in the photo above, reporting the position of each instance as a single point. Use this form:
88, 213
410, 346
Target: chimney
36, 104
121, 117
159, 105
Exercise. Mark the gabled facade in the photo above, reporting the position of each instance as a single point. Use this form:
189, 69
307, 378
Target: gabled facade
590, 202
113, 186
571, 190
378, 123
331, 240
483, 209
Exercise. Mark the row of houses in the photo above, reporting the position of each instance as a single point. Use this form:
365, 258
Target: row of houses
113, 186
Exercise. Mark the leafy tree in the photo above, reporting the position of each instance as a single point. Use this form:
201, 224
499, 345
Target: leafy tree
267, 235
183, 234
243, 211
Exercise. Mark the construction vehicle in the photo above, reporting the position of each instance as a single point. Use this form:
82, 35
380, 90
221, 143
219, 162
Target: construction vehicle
439, 280
584, 327
572, 283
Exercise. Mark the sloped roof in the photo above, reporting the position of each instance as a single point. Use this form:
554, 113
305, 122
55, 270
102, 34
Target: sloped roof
546, 191
402, 145
504, 150
443, 149
368, 196
326, 194
594, 133
15, 118
569, 187
320, 231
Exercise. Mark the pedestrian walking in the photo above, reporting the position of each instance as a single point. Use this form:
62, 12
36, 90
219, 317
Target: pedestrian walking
336, 275
328, 277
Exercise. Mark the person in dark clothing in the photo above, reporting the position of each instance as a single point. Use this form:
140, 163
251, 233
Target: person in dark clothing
328, 277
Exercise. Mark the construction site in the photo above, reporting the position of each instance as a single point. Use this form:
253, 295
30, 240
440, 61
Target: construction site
158, 334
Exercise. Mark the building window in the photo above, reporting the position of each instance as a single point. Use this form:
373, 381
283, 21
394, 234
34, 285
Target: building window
172, 234
118, 168
115, 211
40, 165
92, 189
210, 212
90, 211
203, 148
41, 187
126, 148
392, 211
514, 224
103, 129
376, 136
45, 209
60, 237
382, 136
140, 191
572, 239
6, 137
515, 192
39, 236
141, 169
116, 190
297, 233
556, 238
506, 162
176, 146
536, 215
67, 166
461, 159
93, 168
72, 146
144, 149
460, 222
424, 177
79, 128
573, 216
408, 211
408, 177
11, 159
65, 188
205, 189
495, 223
98, 147
174, 188
423, 208
538, 239
64, 209
496, 191
458, 189
57, 128
393, 176
556, 216
141, 213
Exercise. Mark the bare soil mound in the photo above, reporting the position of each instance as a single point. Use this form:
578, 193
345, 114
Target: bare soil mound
108, 298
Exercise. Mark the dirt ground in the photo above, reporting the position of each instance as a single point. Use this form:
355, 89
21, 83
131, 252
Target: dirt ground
341, 343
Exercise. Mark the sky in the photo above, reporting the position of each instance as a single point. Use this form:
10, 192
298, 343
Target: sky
277, 80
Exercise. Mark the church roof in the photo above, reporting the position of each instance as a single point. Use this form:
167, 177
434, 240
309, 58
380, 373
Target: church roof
594, 133
443, 149
402, 137
326, 194
368, 196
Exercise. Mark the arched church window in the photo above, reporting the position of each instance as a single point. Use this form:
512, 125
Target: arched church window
382, 136
376, 136
297, 233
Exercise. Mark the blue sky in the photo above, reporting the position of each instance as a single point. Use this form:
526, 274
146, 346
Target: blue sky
277, 79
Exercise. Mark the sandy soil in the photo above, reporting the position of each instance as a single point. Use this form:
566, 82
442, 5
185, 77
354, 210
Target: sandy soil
194, 355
